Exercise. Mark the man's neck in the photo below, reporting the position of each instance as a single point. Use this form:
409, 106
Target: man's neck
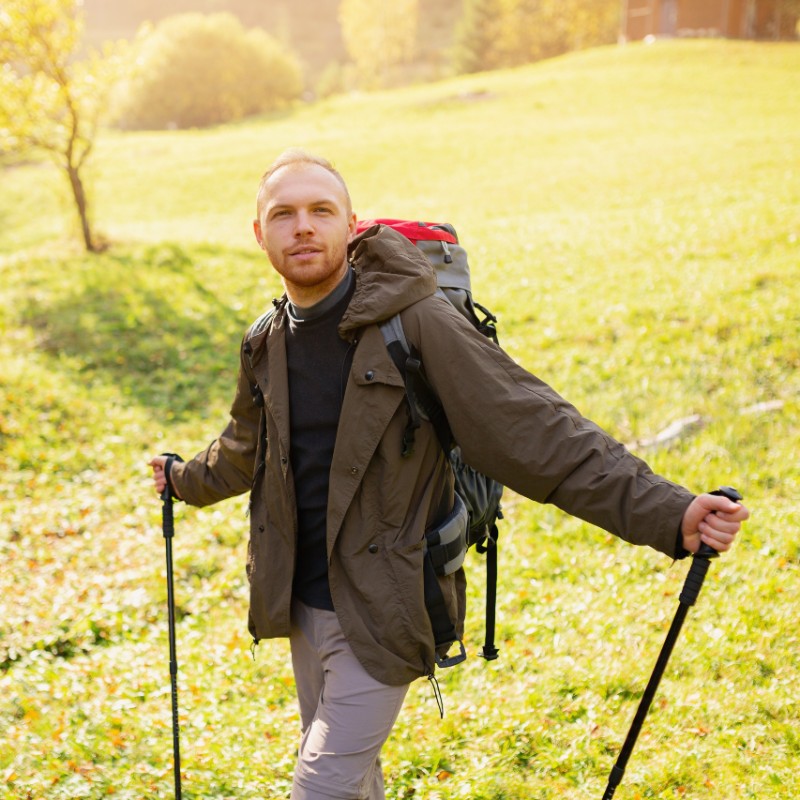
321, 307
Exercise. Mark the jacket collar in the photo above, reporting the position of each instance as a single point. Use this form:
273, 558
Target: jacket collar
391, 274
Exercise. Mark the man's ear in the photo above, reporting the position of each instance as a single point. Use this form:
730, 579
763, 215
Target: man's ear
257, 232
351, 228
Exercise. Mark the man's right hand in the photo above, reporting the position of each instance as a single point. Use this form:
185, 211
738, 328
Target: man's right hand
159, 476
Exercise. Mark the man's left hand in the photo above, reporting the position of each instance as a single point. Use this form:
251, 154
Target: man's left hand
713, 520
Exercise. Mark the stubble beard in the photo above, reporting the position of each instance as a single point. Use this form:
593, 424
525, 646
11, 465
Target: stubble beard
324, 276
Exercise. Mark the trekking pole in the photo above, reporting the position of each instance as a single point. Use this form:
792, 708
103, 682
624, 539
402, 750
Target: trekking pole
169, 531
691, 590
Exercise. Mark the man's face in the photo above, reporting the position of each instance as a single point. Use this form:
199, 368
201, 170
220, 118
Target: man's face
305, 226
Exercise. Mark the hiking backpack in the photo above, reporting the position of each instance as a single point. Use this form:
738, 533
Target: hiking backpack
477, 507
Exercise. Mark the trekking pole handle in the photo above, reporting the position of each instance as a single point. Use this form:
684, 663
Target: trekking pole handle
706, 551
167, 496
702, 558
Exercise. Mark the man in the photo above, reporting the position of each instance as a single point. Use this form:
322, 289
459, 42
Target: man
338, 515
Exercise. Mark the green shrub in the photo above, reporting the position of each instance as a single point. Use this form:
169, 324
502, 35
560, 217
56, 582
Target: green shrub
195, 70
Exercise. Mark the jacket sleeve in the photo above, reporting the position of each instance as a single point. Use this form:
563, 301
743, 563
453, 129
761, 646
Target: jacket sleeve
225, 467
518, 430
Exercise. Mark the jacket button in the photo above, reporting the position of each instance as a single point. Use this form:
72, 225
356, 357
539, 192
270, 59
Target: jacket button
370, 375
354, 470
373, 548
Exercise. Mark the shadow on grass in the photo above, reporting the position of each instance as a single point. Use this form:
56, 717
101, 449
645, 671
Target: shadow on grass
161, 323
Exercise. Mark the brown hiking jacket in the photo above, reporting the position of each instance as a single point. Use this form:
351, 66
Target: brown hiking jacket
508, 423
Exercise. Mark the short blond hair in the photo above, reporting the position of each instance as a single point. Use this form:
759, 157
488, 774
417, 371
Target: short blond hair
296, 156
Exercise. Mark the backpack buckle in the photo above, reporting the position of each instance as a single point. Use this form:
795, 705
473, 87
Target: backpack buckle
451, 661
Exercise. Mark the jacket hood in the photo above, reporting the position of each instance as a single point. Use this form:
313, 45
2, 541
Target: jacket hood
391, 274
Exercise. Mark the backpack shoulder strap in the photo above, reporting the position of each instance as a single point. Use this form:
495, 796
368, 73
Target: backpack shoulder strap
262, 323
422, 399
257, 328
392, 330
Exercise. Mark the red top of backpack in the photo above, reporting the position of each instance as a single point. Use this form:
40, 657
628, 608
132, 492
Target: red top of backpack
413, 230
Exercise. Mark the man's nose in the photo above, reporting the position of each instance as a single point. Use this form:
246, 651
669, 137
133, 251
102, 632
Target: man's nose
303, 224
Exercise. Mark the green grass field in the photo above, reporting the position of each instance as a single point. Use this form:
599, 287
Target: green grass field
633, 217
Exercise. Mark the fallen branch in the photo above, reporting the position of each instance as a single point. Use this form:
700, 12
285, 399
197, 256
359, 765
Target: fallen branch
685, 426
673, 432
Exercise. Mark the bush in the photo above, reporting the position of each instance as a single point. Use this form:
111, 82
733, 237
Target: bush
195, 70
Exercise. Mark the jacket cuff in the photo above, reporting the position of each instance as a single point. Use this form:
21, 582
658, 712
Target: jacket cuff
680, 550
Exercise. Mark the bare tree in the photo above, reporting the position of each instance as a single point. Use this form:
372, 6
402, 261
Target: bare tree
50, 100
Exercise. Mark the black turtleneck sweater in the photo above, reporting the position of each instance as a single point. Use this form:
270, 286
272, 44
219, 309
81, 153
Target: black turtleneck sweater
319, 363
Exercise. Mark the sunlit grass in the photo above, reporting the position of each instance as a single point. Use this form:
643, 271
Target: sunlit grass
633, 217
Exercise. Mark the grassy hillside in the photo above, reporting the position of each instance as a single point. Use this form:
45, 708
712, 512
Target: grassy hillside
633, 217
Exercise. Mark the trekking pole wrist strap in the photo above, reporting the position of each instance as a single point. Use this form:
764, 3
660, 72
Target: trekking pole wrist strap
171, 459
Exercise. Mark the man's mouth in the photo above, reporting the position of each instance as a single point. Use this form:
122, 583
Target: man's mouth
304, 250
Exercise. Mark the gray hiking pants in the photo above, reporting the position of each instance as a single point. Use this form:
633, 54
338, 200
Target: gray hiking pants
346, 715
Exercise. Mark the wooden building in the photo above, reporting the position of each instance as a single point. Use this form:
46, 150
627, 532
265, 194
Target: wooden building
733, 19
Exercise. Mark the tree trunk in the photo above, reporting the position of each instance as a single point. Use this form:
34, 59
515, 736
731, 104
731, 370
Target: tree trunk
80, 202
